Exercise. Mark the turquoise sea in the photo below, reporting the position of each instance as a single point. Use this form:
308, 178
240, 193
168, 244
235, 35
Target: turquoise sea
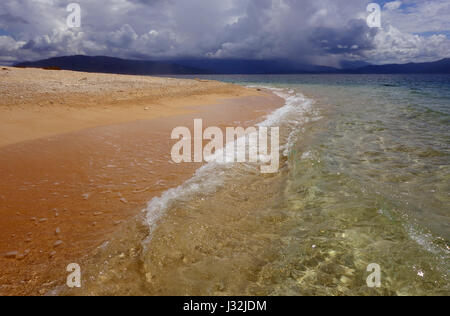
365, 178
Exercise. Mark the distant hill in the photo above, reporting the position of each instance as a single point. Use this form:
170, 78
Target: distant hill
172, 67
103, 64
254, 67
437, 67
347, 64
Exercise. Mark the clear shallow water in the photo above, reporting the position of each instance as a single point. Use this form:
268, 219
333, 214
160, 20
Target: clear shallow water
365, 179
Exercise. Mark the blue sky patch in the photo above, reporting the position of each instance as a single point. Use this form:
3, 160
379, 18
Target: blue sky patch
428, 34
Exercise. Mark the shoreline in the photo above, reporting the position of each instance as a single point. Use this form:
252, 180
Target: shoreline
65, 194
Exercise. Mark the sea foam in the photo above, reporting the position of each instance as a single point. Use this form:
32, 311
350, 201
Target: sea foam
208, 178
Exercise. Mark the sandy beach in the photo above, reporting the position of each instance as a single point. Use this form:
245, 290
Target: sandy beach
38, 103
81, 154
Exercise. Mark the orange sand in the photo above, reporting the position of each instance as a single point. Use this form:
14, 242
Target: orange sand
72, 173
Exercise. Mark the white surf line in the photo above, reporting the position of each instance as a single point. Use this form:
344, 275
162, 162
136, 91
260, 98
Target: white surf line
209, 177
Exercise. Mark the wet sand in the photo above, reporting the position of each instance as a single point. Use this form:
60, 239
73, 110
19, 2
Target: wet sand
68, 186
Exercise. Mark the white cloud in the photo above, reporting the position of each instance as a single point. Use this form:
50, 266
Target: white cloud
419, 16
394, 46
391, 6
123, 37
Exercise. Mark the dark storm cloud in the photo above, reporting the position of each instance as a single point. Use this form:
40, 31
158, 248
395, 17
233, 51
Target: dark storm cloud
6, 19
355, 38
320, 31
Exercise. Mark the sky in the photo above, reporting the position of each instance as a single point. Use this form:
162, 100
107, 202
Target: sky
322, 32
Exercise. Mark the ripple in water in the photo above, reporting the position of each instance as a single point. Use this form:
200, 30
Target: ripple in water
364, 180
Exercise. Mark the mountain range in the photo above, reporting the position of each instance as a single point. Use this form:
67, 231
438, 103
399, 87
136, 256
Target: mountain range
103, 64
